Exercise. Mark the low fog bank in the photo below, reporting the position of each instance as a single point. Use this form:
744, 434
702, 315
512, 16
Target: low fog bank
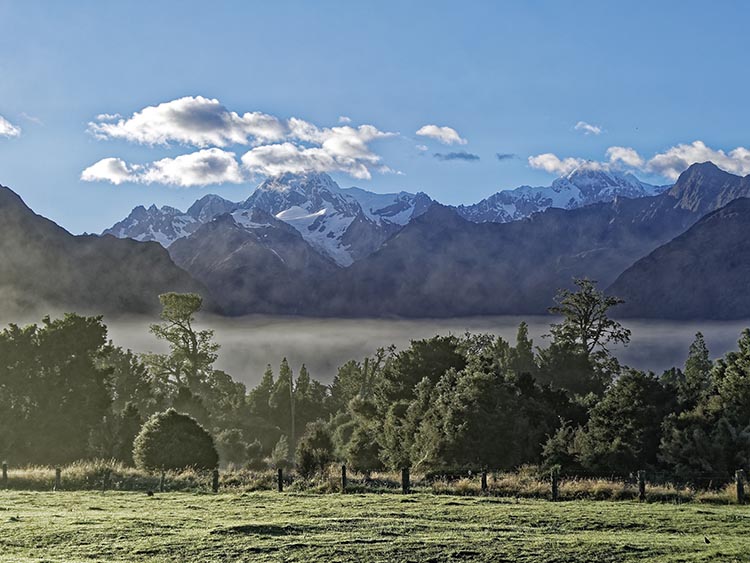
249, 343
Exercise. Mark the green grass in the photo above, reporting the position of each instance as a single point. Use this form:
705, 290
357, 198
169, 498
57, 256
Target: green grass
268, 526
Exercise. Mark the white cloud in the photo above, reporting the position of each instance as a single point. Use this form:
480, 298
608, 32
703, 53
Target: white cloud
330, 149
422, 148
113, 170
446, 135
669, 164
201, 168
108, 117
676, 159
625, 155
344, 119
195, 121
7, 129
587, 128
291, 145
207, 166
553, 164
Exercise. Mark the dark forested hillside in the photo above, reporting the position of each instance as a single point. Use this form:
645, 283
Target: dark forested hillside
44, 266
443, 265
703, 273
266, 268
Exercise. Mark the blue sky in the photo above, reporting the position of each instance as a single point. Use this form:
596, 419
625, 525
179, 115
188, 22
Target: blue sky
508, 77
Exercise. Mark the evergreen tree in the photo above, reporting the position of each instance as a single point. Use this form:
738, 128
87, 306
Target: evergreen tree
697, 371
129, 425
282, 401
259, 398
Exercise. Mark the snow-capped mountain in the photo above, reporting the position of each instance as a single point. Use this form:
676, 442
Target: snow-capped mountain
578, 188
342, 224
167, 224
347, 224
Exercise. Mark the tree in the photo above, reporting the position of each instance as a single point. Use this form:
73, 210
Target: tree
282, 401
191, 352
280, 453
128, 427
523, 359
712, 439
586, 320
624, 430
130, 381
231, 446
429, 359
259, 398
170, 440
697, 371
315, 449
54, 391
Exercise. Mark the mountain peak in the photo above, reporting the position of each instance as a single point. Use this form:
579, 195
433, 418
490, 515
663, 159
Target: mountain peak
704, 187
298, 181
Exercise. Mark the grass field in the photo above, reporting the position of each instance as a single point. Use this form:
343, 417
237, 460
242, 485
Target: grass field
266, 526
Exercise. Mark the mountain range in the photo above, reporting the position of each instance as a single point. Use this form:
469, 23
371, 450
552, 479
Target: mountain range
300, 244
45, 267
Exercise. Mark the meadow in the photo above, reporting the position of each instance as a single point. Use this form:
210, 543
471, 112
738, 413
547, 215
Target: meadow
267, 526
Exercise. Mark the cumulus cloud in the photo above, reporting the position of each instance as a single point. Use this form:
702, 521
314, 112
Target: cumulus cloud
505, 156
460, 155
344, 119
676, 159
669, 163
7, 129
201, 168
553, 164
422, 148
328, 149
587, 128
446, 135
625, 155
192, 120
279, 145
113, 170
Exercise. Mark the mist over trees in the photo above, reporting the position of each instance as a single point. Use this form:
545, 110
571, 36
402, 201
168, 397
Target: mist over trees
443, 404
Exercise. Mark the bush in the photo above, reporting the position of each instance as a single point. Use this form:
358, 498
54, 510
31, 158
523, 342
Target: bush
315, 449
170, 440
232, 448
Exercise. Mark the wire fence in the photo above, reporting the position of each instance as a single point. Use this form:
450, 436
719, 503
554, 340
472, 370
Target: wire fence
526, 482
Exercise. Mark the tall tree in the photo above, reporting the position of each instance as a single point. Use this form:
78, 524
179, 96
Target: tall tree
192, 352
586, 321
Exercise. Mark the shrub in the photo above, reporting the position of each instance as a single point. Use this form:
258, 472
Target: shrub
170, 440
232, 448
254, 454
315, 449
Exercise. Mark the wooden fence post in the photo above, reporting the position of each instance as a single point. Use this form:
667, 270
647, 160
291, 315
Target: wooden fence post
343, 478
58, 478
739, 477
405, 480
642, 485
555, 484
484, 481
5, 475
215, 481
162, 481
281, 480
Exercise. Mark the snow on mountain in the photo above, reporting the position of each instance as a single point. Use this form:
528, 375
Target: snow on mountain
342, 224
579, 188
398, 208
346, 224
161, 224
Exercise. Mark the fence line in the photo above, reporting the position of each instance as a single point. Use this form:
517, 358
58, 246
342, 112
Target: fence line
554, 480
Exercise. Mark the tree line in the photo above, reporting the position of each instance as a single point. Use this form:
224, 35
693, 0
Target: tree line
444, 404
